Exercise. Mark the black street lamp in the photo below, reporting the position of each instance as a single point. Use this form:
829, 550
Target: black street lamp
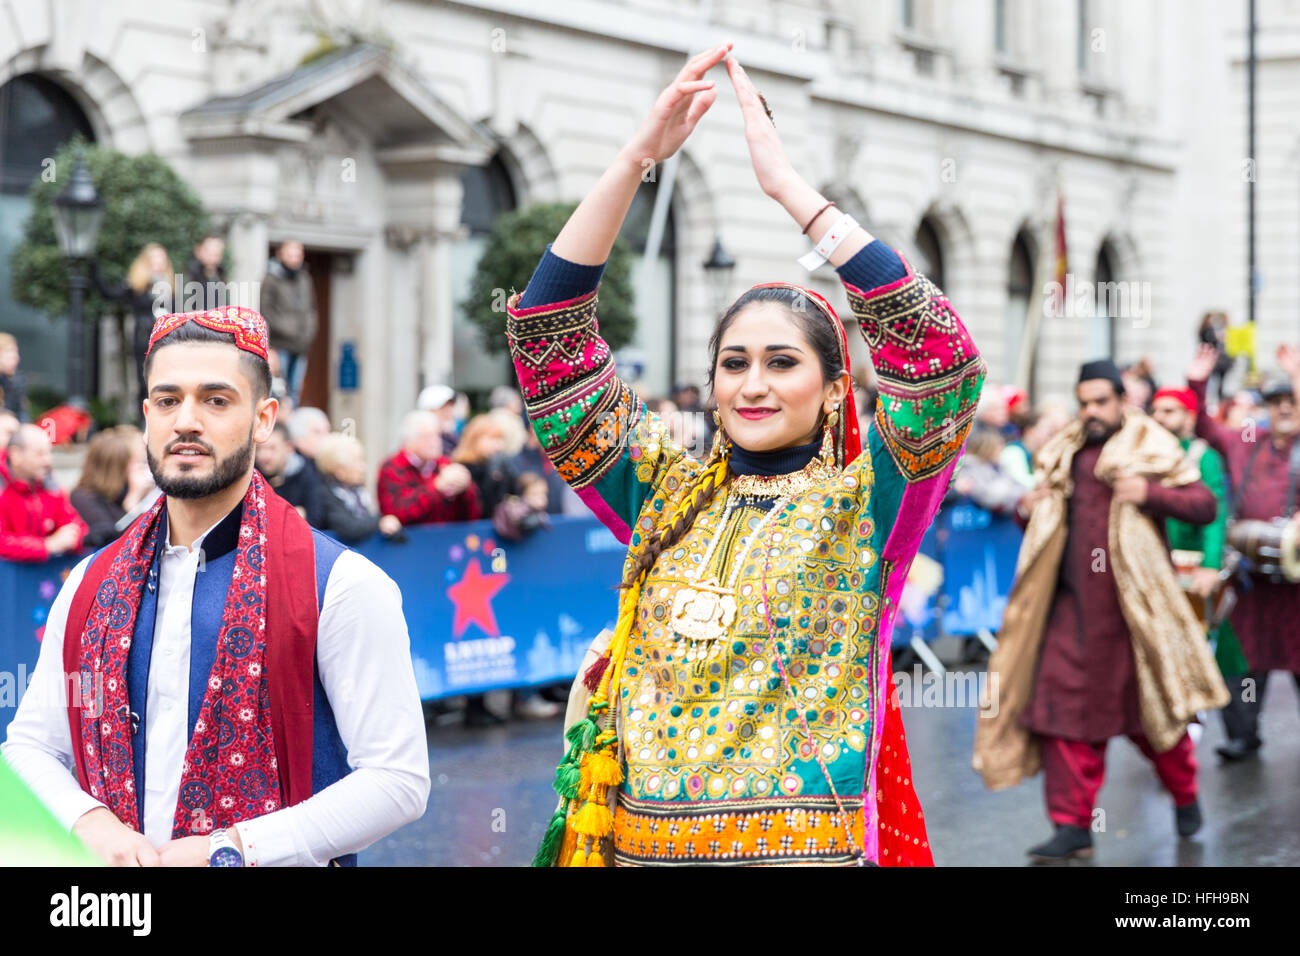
718, 267
77, 214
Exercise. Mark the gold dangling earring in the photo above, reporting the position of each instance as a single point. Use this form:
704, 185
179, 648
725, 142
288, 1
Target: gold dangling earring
827, 453
719, 436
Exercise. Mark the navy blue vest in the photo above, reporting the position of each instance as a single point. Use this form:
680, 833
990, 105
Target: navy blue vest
211, 585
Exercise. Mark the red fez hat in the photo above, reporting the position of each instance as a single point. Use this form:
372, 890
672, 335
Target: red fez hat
247, 326
1184, 396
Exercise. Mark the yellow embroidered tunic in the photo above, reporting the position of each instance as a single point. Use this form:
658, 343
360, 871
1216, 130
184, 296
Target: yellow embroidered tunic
774, 748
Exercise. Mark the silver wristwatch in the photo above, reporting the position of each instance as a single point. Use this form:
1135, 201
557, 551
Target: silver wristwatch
222, 850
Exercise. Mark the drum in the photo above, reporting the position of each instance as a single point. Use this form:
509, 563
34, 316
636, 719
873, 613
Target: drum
1272, 547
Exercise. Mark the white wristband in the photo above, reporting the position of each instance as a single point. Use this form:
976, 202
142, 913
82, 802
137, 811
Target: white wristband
833, 237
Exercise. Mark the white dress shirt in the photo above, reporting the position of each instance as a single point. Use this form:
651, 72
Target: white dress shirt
363, 655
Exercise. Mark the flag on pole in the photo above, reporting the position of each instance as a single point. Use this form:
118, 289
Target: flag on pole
1062, 256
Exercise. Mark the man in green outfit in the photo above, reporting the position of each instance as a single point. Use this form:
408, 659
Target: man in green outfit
1175, 409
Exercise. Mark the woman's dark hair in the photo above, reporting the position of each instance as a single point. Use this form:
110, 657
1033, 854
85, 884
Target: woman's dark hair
805, 314
255, 367
817, 330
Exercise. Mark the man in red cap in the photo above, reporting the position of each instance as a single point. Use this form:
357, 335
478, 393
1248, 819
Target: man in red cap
1198, 549
261, 713
1264, 467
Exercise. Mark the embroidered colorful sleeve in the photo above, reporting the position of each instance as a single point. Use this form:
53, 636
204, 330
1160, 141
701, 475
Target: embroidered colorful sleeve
929, 375
602, 439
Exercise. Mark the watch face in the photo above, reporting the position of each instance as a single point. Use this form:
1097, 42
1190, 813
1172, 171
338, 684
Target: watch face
226, 856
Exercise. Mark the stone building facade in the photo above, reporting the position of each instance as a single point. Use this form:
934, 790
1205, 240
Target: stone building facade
949, 127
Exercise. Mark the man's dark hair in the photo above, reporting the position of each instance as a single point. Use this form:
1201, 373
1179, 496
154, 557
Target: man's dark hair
282, 430
255, 367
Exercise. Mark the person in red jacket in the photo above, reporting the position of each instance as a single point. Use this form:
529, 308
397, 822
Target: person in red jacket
418, 485
35, 523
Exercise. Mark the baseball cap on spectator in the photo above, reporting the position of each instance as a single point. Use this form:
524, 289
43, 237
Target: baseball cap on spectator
434, 397
1276, 388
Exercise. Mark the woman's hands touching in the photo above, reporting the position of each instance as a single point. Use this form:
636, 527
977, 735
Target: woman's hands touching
677, 110
589, 234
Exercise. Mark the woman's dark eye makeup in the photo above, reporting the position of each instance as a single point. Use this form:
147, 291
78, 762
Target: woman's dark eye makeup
780, 360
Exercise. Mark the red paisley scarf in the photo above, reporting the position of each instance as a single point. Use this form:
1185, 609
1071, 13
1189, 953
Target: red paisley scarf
234, 765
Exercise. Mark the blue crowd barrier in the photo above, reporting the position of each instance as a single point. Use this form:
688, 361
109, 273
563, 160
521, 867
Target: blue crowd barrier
977, 552
484, 614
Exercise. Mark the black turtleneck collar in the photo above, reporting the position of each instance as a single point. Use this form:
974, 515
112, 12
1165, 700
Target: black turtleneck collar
782, 461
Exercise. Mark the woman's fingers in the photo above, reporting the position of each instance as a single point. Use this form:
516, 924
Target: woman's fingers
701, 63
700, 107
694, 86
746, 94
679, 96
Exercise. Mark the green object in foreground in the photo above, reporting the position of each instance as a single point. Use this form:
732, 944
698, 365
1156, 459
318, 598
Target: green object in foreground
29, 834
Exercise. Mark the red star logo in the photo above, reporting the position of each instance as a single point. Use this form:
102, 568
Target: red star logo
472, 596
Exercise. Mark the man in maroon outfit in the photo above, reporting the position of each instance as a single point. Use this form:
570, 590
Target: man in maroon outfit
1085, 690
1266, 617
35, 523
419, 485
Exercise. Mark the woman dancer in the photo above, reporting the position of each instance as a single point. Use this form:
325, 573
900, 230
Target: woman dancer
742, 711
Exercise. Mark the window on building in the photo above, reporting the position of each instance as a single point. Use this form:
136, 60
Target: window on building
1086, 22
488, 191
1000, 26
1101, 337
652, 354
1020, 288
37, 116
931, 251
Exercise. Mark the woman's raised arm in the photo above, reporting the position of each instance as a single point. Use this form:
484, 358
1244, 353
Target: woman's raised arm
589, 235
594, 428
928, 369
777, 175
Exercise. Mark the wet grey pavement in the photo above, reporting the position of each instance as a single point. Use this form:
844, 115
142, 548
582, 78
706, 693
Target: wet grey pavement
491, 798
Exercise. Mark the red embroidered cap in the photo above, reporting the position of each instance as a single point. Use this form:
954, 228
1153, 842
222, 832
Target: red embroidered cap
1184, 396
247, 325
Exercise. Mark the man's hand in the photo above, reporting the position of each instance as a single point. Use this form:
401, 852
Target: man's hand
1288, 356
389, 524
193, 850
1204, 581
1131, 489
113, 841
62, 540
1203, 362
452, 479
1029, 500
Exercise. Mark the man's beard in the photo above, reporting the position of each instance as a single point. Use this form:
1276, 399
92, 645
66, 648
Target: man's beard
1098, 437
228, 470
